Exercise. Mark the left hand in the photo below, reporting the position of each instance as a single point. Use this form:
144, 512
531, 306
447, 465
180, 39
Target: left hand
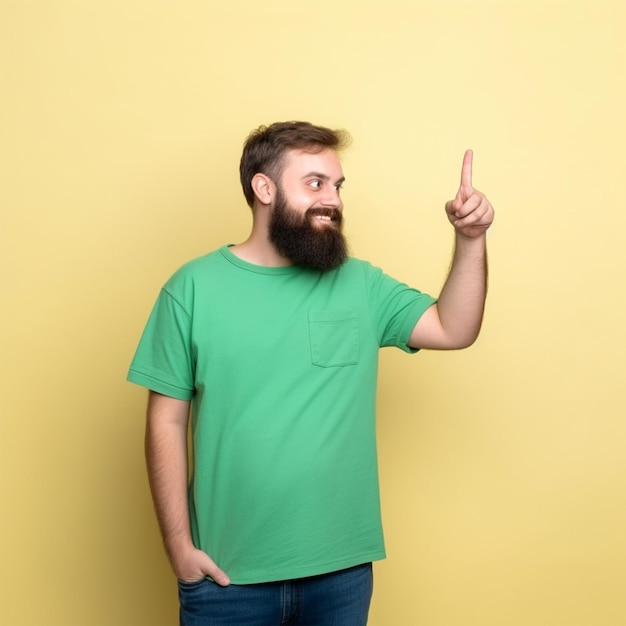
470, 212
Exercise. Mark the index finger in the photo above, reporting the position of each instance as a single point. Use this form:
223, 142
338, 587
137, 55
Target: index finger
466, 170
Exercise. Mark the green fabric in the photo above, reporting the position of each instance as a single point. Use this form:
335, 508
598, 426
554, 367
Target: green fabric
281, 365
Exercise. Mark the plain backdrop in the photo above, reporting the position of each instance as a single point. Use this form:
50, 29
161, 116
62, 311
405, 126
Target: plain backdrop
503, 467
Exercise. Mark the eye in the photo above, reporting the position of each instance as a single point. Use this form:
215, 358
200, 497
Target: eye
339, 187
316, 184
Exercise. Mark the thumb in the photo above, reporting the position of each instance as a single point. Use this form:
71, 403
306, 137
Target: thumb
213, 571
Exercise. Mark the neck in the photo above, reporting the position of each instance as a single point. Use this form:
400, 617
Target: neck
258, 249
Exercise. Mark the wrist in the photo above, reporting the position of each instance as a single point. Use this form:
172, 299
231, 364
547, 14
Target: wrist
470, 245
177, 547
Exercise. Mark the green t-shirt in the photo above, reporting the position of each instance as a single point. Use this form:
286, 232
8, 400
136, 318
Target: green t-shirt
281, 365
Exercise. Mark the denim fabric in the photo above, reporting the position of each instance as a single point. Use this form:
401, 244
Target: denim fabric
337, 599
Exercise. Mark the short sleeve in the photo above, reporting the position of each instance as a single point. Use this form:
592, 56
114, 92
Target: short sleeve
164, 361
395, 308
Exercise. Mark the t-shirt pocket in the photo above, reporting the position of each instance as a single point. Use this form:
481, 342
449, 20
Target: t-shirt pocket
334, 337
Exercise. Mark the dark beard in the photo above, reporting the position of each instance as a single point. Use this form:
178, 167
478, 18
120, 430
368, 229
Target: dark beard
297, 238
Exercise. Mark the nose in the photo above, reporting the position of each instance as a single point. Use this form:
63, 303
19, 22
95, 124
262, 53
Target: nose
331, 199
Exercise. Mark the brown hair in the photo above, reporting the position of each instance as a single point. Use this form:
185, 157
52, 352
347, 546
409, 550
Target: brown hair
265, 148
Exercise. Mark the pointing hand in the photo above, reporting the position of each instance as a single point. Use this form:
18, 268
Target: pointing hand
470, 212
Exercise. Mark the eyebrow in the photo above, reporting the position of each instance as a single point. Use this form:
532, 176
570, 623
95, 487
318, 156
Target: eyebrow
323, 177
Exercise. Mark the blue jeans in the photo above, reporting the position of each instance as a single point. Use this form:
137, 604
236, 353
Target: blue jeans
338, 599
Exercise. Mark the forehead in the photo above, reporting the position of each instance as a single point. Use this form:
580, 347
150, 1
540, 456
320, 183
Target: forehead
300, 163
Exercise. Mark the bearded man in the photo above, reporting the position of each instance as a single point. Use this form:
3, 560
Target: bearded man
271, 346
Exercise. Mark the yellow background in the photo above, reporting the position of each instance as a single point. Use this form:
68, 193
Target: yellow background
503, 466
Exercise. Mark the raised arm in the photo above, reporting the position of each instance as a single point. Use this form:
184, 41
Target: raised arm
454, 321
166, 458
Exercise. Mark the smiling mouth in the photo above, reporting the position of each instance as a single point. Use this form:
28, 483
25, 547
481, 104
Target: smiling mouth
327, 221
326, 216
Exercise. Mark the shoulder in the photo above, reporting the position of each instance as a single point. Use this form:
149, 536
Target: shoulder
197, 267
184, 281
374, 277
354, 275
355, 266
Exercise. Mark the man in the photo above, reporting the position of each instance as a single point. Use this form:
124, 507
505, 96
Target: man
272, 344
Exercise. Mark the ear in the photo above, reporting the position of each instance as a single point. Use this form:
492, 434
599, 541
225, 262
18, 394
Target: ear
264, 188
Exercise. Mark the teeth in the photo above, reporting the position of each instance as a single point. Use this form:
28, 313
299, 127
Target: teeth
323, 217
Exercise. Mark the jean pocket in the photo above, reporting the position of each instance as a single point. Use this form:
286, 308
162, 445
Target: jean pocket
334, 336
183, 584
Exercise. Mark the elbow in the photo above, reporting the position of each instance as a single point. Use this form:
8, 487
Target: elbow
466, 340
445, 343
462, 345
460, 341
